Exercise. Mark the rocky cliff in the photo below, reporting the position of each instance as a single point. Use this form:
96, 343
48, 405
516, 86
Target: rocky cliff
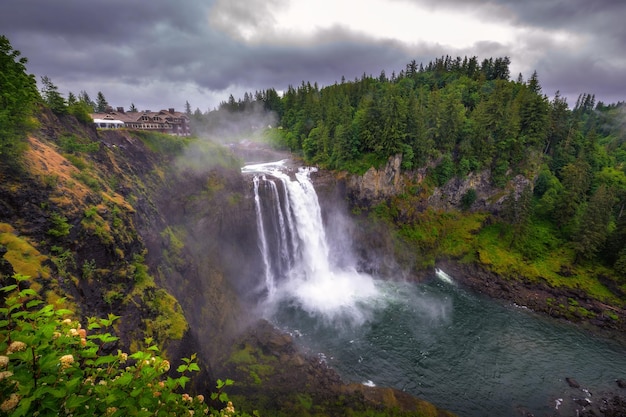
378, 185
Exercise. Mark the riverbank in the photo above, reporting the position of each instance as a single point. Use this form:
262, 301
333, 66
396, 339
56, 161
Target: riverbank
558, 302
551, 301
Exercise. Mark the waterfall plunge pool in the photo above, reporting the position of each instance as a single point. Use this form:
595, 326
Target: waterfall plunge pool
468, 354
465, 353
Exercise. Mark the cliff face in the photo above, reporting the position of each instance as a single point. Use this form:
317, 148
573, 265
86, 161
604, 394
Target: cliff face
378, 185
103, 219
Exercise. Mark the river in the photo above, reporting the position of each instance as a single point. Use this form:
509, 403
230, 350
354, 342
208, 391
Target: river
463, 352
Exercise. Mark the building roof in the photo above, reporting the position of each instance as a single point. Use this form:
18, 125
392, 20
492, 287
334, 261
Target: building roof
135, 117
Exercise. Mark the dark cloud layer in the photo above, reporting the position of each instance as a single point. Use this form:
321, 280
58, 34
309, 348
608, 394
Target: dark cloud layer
162, 53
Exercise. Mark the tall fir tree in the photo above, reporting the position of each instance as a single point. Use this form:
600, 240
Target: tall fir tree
52, 97
101, 103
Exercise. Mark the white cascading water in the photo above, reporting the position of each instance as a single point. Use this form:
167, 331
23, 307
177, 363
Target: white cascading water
296, 252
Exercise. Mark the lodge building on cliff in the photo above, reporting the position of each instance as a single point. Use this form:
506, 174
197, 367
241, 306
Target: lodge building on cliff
164, 121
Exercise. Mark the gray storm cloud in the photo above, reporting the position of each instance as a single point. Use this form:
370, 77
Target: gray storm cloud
197, 51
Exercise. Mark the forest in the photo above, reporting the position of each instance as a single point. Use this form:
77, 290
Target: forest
456, 116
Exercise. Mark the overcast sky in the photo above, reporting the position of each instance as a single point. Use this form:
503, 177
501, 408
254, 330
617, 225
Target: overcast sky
160, 53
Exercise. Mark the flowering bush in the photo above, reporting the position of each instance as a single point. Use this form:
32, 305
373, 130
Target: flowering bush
51, 366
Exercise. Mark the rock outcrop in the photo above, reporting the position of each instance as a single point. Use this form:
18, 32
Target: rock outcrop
377, 184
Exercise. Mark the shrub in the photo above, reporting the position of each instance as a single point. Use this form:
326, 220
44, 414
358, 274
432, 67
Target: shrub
60, 226
73, 144
50, 365
444, 171
468, 199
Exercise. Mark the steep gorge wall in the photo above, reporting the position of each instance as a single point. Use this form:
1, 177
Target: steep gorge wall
132, 215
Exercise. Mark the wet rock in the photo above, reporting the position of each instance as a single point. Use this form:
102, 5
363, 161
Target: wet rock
572, 382
377, 184
621, 383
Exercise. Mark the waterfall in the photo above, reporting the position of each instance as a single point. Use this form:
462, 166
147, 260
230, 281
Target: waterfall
295, 250
269, 276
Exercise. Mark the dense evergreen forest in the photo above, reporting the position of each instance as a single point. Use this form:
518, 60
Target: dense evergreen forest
456, 116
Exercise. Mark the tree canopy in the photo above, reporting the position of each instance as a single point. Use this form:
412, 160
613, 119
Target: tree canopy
18, 96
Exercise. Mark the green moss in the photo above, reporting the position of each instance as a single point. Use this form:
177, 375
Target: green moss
254, 363
95, 224
22, 255
234, 199
115, 294
173, 247
139, 272
242, 356
170, 322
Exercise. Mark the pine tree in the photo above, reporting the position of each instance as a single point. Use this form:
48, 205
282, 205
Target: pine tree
517, 211
71, 99
594, 226
101, 103
132, 108
576, 180
83, 97
52, 97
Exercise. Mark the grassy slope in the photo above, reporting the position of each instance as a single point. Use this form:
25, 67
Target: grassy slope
476, 237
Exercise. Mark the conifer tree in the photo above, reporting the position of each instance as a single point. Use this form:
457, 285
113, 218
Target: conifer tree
101, 103
83, 97
594, 225
52, 97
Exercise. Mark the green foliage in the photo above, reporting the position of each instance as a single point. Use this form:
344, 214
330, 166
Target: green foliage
363, 163
52, 97
88, 179
169, 322
161, 142
95, 224
60, 226
81, 111
89, 269
63, 259
444, 171
468, 199
74, 145
18, 97
50, 365
539, 240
